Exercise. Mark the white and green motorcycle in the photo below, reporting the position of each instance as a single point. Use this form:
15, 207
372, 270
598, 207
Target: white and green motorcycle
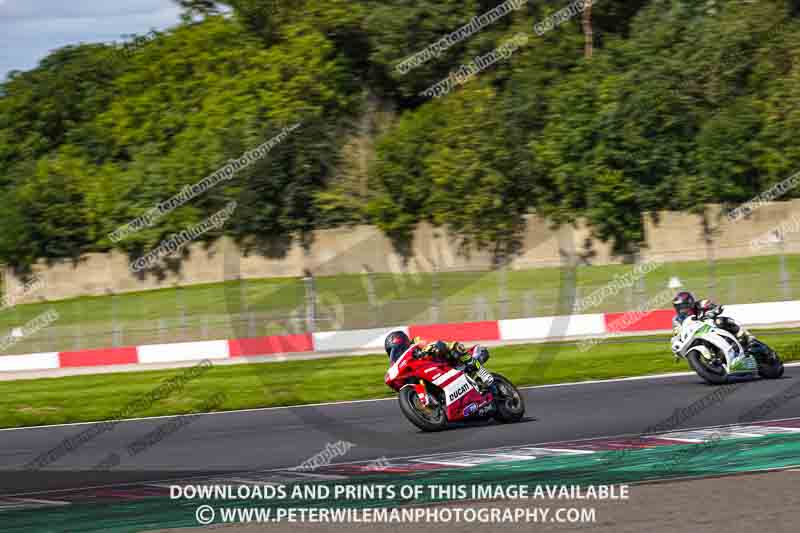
716, 354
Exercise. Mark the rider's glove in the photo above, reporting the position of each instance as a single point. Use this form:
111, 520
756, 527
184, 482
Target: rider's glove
457, 349
437, 349
675, 345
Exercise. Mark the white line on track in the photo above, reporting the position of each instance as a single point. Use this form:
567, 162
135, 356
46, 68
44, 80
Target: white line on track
44, 502
447, 463
348, 402
563, 450
505, 456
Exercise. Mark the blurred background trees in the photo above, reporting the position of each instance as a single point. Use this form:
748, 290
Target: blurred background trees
676, 104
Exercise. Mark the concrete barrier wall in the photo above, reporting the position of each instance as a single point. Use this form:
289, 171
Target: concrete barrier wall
677, 236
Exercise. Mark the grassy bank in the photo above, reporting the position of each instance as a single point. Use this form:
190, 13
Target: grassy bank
98, 397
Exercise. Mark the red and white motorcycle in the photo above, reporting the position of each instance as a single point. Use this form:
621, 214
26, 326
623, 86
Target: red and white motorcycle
432, 393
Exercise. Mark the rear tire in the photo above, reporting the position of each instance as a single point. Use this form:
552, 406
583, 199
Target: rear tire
699, 365
770, 365
510, 405
772, 371
411, 407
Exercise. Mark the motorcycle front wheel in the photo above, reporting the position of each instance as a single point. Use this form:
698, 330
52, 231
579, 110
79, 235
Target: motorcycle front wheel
425, 418
713, 374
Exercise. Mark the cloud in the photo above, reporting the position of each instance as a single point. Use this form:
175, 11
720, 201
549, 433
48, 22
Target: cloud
46, 9
31, 30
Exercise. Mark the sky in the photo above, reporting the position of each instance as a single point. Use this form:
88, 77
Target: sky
30, 29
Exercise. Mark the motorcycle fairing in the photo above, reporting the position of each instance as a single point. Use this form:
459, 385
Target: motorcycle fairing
458, 394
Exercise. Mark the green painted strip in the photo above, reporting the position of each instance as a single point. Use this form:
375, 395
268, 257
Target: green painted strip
716, 457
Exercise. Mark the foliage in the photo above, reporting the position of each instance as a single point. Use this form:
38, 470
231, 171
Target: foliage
683, 103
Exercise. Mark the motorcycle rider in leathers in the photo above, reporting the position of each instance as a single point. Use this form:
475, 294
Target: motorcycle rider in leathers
454, 353
685, 305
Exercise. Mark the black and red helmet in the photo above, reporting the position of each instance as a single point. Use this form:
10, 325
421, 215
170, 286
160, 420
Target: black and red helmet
684, 304
396, 343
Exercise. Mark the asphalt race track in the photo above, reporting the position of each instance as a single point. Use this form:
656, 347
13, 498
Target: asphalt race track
279, 438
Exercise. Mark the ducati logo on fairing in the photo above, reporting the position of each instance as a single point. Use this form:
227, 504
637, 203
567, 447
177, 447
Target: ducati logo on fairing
456, 394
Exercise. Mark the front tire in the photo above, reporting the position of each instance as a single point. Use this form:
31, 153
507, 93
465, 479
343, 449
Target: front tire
716, 376
425, 419
510, 404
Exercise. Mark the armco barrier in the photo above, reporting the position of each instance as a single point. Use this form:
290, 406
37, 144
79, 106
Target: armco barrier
183, 351
628, 322
765, 313
274, 344
551, 327
468, 331
539, 328
109, 356
34, 361
363, 339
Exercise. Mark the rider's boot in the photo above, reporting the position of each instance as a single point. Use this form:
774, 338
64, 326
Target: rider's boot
485, 376
745, 338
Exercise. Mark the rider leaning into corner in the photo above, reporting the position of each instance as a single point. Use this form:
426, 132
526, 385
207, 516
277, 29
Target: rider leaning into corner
454, 353
685, 305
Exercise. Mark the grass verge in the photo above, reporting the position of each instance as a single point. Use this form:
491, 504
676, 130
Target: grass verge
99, 397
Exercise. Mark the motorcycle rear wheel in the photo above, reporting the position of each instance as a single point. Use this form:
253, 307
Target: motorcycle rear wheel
510, 405
770, 365
416, 412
